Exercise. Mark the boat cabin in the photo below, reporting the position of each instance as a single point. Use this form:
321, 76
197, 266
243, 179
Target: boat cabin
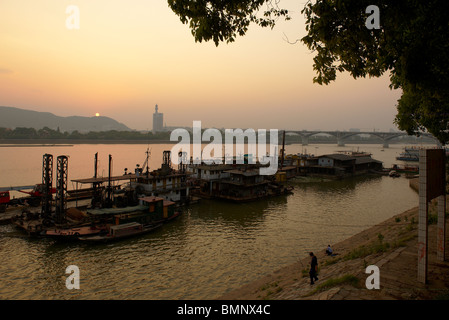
154, 209
159, 205
243, 185
171, 186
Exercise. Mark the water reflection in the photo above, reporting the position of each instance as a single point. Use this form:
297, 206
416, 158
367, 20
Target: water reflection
331, 186
238, 213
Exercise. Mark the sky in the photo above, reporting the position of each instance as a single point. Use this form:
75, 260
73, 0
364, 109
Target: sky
128, 56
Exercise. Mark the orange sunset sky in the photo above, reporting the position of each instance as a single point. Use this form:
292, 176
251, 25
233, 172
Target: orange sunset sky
128, 56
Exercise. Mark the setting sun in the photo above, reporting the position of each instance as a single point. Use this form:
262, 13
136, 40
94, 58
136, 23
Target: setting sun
97, 114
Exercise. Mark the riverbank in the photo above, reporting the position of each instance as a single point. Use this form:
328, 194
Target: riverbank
391, 246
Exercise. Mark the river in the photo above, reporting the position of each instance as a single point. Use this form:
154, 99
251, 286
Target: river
213, 248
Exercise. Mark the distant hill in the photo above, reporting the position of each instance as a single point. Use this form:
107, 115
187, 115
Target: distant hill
14, 117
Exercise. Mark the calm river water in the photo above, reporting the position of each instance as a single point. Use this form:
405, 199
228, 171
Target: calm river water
213, 248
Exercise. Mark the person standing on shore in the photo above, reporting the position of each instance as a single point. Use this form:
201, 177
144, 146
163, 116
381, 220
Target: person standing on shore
313, 268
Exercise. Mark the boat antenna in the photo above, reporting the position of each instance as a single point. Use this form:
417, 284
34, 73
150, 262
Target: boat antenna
147, 161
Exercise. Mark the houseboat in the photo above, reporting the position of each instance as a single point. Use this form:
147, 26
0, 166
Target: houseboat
233, 180
340, 165
248, 185
165, 182
204, 178
293, 165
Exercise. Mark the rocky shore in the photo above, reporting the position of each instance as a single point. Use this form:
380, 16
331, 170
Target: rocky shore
390, 245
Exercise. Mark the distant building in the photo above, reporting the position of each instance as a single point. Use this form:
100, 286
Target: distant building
158, 120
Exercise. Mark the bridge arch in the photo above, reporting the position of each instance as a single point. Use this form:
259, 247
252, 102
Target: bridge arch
341, 136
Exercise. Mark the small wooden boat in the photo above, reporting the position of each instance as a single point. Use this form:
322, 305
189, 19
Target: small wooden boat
122, 231
414, 169
394, 174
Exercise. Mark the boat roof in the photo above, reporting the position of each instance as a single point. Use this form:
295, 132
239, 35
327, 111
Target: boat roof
212, 166
116, 210
362, 160
151, 199
105, 179
337, 156
247, 173
129, 176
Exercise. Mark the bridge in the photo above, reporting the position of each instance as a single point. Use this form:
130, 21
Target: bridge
385, 137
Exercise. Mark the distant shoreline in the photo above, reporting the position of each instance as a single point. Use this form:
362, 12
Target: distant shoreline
71, 142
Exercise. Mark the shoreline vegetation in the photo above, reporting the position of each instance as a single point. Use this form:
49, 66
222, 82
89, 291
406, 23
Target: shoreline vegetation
71, 142
31, 136
51, 136
390, 245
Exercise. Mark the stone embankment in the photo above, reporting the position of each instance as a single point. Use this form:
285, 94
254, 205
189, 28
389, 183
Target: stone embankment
391, 246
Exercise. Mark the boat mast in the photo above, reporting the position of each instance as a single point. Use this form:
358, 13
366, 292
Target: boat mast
96, 198
96, 165
147, 161
47, 181
283, 149
109, 191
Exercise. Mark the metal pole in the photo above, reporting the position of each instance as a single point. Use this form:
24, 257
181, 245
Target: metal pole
148, 160
47, 181
109, 200
61, 188
95, 165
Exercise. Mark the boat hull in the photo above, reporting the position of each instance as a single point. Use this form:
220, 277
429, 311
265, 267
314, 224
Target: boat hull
74, 233
109, 238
